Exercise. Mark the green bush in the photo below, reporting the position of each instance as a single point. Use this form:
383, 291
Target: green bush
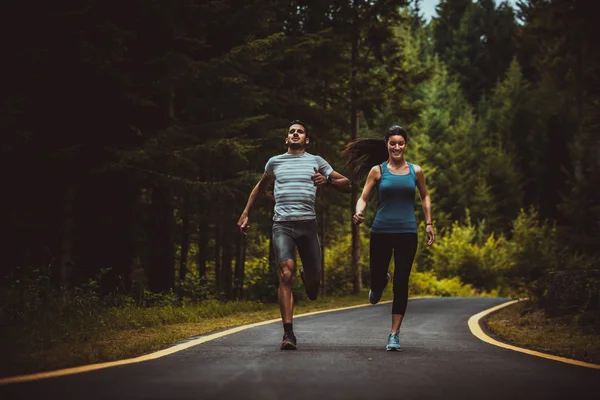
458, 254
534, 252
427, 283
515, 267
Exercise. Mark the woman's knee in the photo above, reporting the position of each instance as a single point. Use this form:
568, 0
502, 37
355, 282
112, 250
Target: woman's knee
400, 289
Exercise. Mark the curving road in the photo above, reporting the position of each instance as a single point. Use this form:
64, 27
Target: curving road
341, 355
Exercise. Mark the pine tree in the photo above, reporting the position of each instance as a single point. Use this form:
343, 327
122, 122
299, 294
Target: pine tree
475, 41
503, 117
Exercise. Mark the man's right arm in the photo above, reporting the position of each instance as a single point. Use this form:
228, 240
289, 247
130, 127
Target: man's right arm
259, 190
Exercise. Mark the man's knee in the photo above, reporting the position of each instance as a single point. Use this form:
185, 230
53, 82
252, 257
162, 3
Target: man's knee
286, 272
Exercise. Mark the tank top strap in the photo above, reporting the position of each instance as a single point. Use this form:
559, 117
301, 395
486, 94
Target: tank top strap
383, 168
411, 167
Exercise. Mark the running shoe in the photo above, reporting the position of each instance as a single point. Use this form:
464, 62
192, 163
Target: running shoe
393, 342
289, 341
375, 297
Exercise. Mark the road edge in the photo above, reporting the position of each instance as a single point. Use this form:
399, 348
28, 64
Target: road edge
167, 351
475, 322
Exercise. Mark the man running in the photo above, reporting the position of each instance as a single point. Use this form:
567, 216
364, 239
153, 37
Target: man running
296, 175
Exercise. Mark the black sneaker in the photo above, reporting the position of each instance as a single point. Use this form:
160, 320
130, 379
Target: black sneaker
289, 341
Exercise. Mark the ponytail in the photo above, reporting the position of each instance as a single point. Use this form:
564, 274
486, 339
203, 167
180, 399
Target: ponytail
363, 154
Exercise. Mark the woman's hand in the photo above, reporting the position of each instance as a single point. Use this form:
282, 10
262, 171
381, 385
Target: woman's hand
430, 235
358, 218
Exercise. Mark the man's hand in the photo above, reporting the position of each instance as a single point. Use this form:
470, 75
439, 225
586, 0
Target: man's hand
358, 218
318, 178
243, 223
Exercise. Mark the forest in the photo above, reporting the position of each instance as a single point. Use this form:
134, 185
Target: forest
133, 133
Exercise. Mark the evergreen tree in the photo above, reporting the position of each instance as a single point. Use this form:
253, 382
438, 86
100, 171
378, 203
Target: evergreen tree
475, 40
504, 117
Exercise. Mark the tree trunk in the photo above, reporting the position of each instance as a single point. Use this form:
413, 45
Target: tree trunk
240, 259
161, 266
185, 241
66, 255
218, 248
356, 267
202, 250
322, 234
121, 210
322, 206
226, 267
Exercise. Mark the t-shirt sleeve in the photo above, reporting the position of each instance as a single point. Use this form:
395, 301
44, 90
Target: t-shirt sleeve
324, 167
269, 167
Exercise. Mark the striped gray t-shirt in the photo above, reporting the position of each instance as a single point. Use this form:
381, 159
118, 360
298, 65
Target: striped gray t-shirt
295, 191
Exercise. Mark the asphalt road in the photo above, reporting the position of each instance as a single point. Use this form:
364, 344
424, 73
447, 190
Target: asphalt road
341, 355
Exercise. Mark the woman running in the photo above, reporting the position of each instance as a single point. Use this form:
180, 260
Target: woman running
394, 228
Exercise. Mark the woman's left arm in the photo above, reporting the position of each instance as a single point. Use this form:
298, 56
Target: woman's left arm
426, 203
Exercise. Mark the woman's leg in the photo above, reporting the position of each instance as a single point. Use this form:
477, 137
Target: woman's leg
405, 247
379, 258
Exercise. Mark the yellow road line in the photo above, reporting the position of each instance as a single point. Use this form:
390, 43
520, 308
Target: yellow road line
479, 333
162, 353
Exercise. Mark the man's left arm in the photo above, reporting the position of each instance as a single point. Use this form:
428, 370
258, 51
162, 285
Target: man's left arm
325, 175
339, 181
334, 179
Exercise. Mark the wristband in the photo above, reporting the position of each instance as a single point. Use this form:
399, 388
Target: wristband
328, 179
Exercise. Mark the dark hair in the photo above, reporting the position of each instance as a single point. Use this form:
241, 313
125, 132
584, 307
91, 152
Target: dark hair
298, 122
364, 153
396, 130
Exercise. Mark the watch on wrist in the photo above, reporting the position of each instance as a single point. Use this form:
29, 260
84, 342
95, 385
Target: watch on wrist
328, 179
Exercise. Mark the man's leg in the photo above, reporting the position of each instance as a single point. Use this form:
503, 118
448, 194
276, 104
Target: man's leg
284, 292
283, 244
309, 249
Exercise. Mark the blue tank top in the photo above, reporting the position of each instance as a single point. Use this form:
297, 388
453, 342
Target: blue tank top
396, 206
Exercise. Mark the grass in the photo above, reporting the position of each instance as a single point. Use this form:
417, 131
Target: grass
117, 333
524, 326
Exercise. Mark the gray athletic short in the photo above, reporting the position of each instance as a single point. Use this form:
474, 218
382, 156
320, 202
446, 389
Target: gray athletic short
303, 235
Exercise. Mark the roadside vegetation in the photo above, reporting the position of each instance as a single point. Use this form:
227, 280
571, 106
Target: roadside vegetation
571, 336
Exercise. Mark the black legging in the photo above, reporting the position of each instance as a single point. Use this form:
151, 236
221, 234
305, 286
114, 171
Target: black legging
405, 247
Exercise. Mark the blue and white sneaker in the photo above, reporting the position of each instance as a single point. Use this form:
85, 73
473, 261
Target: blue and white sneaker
375, 297
393, 342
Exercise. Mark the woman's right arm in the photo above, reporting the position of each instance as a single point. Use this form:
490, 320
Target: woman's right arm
361, 204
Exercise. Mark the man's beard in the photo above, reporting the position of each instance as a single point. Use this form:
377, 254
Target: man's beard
296, 146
